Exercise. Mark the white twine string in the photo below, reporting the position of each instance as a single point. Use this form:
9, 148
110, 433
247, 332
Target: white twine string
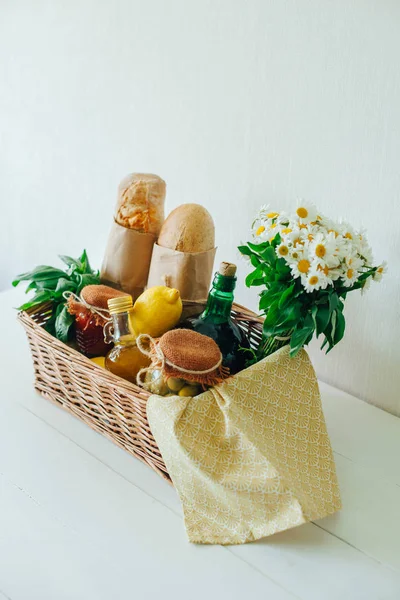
161, 361
102, 312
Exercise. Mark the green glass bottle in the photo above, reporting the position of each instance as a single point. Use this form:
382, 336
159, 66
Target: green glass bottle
216, 321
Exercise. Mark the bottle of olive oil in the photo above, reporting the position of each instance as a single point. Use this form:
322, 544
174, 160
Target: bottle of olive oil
216, 321
124, 359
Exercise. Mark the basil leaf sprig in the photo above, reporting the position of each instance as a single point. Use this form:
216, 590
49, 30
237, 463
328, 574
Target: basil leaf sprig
49, 285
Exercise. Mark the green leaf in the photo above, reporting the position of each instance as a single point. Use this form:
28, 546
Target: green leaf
70, 262
38, 298
84, 260
301, 335
256, 274
255, 261
290, 315
340, 327
333, 301
322, 318
63, 324
64, 285
282, 267
276, 241
245, 250
41, 273
258, 247
84, 280
269, 255
32, 286
268, 297
270, 320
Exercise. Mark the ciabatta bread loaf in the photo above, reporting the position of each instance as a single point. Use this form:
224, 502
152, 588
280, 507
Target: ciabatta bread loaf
188, 228
140, 203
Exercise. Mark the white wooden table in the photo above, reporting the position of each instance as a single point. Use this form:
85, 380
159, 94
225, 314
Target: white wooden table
81, 519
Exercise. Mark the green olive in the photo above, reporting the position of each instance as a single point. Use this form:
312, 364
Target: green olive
189, 390
175, 384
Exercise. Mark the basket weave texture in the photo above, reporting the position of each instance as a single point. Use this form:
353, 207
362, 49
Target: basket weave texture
108, 404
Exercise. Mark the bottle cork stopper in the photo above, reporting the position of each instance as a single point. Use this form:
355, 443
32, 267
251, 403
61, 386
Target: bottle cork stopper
227, 269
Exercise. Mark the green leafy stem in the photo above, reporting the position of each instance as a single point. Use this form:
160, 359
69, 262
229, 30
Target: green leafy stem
289, 310
49, 285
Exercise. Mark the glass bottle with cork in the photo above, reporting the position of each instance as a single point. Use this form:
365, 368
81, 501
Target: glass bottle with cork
124, 359
216, 321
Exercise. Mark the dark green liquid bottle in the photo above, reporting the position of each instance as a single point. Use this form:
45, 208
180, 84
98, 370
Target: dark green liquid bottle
216, 321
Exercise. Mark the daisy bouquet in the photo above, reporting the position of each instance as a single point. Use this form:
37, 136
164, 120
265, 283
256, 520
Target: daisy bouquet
306, 265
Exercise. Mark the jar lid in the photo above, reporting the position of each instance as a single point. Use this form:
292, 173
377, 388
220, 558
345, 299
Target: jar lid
120, 305
190, 351
99, 295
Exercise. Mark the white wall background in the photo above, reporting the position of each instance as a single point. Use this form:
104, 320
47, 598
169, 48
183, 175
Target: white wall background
235, 103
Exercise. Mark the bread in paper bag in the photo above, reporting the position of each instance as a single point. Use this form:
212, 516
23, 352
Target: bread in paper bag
183, 257
137, 222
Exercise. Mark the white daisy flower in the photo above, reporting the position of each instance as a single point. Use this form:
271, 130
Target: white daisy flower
266, 213
272, 230
324, 248
309, 232
330, 275
282, 250
349, 277
353, 261
314, 280
292, 235
300, 266
259, 230
306, 212
381, 270
346, 230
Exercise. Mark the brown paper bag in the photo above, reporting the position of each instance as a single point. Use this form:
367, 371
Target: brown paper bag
188, 272
127, 259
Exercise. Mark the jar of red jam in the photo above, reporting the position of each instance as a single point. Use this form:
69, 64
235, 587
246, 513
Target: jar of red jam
89, 335
91, 314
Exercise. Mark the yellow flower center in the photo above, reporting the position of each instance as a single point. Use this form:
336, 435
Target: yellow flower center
286, 230
348, 236
302, 212
350, 273
273, 225
303, 265
295, 255
320, 250
302, 226
272, 215
313, 280
260, 230
283, 250
333, 231
380, 270
310, 237
324, 269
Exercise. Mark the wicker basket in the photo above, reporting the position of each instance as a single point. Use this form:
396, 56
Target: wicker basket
110, 405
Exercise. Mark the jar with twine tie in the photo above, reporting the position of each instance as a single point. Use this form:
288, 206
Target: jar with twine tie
183, 362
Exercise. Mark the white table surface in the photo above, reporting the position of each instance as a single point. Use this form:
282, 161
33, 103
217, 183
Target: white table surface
82, 519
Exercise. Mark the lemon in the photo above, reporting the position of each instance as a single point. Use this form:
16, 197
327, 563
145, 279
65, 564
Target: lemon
99, 360
156, 311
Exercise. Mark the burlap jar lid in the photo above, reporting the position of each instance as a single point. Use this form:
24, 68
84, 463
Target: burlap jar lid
189, 350
93, 301
98, 295
185, 354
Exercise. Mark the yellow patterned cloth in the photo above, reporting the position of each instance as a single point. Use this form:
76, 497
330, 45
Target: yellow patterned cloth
251, 456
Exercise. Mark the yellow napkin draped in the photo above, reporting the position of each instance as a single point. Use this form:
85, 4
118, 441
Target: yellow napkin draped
251, 456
